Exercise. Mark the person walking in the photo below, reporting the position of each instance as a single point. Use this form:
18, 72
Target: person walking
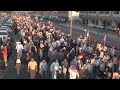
18, 64
32, 68
43, 69
4, 55
53, 68
19, 48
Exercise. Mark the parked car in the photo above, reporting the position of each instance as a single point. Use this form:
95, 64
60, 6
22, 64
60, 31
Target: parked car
100, 26
91, 25
4, 36
112, 28
4, 28
7, 24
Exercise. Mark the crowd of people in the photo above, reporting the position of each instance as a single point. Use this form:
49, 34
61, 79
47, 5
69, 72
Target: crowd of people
46, 50
6, 50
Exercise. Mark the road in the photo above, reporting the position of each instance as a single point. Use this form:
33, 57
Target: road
111, 39
10, 72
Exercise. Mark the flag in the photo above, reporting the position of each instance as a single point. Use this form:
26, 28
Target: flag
104, 39
88, 34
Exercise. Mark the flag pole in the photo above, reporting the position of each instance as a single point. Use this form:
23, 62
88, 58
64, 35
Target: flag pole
104, 39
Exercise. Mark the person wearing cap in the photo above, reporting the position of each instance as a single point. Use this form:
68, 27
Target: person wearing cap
32, 68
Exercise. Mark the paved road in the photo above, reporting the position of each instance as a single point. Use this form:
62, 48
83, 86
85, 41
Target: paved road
10, 73
111, 39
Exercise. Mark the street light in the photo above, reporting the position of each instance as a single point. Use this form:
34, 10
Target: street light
71, 24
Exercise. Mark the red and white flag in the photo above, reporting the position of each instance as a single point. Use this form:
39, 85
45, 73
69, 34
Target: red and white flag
104, 40
88, 34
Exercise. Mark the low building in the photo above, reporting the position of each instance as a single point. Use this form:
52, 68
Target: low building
108, 18
75, 15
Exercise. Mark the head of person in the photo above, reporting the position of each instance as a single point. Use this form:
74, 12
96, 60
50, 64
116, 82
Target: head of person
19, 43
65, 59
5, 45
74, 59
44, 60
110, 60
32, 59
56, 60
18, 56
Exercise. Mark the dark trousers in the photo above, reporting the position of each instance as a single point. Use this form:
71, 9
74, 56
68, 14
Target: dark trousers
44, 75
18, 66
115, 68
90, 75
32, 74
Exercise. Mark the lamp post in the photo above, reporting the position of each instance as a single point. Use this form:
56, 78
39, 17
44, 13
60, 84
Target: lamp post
71, 24
37, 13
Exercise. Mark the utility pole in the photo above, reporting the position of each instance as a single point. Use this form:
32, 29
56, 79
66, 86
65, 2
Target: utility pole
71, 24
37, 14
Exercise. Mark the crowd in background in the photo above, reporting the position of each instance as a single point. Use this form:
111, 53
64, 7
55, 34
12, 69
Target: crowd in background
44, 49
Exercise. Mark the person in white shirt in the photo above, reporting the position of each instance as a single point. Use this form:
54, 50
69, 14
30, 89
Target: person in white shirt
61, 39
18, 64
43, 69
19, 48
53, 68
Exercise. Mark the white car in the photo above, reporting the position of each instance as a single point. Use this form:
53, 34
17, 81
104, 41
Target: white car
4, 36
91, 25
100, 26
4, 28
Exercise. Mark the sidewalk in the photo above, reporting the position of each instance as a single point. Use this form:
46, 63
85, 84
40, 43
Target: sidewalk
93, 30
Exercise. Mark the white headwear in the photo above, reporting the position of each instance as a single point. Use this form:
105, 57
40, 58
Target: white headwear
56, 68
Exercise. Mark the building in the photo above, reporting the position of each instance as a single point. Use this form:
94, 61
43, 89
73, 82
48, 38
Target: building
75, 15
45, 13
108, 18
63, 14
